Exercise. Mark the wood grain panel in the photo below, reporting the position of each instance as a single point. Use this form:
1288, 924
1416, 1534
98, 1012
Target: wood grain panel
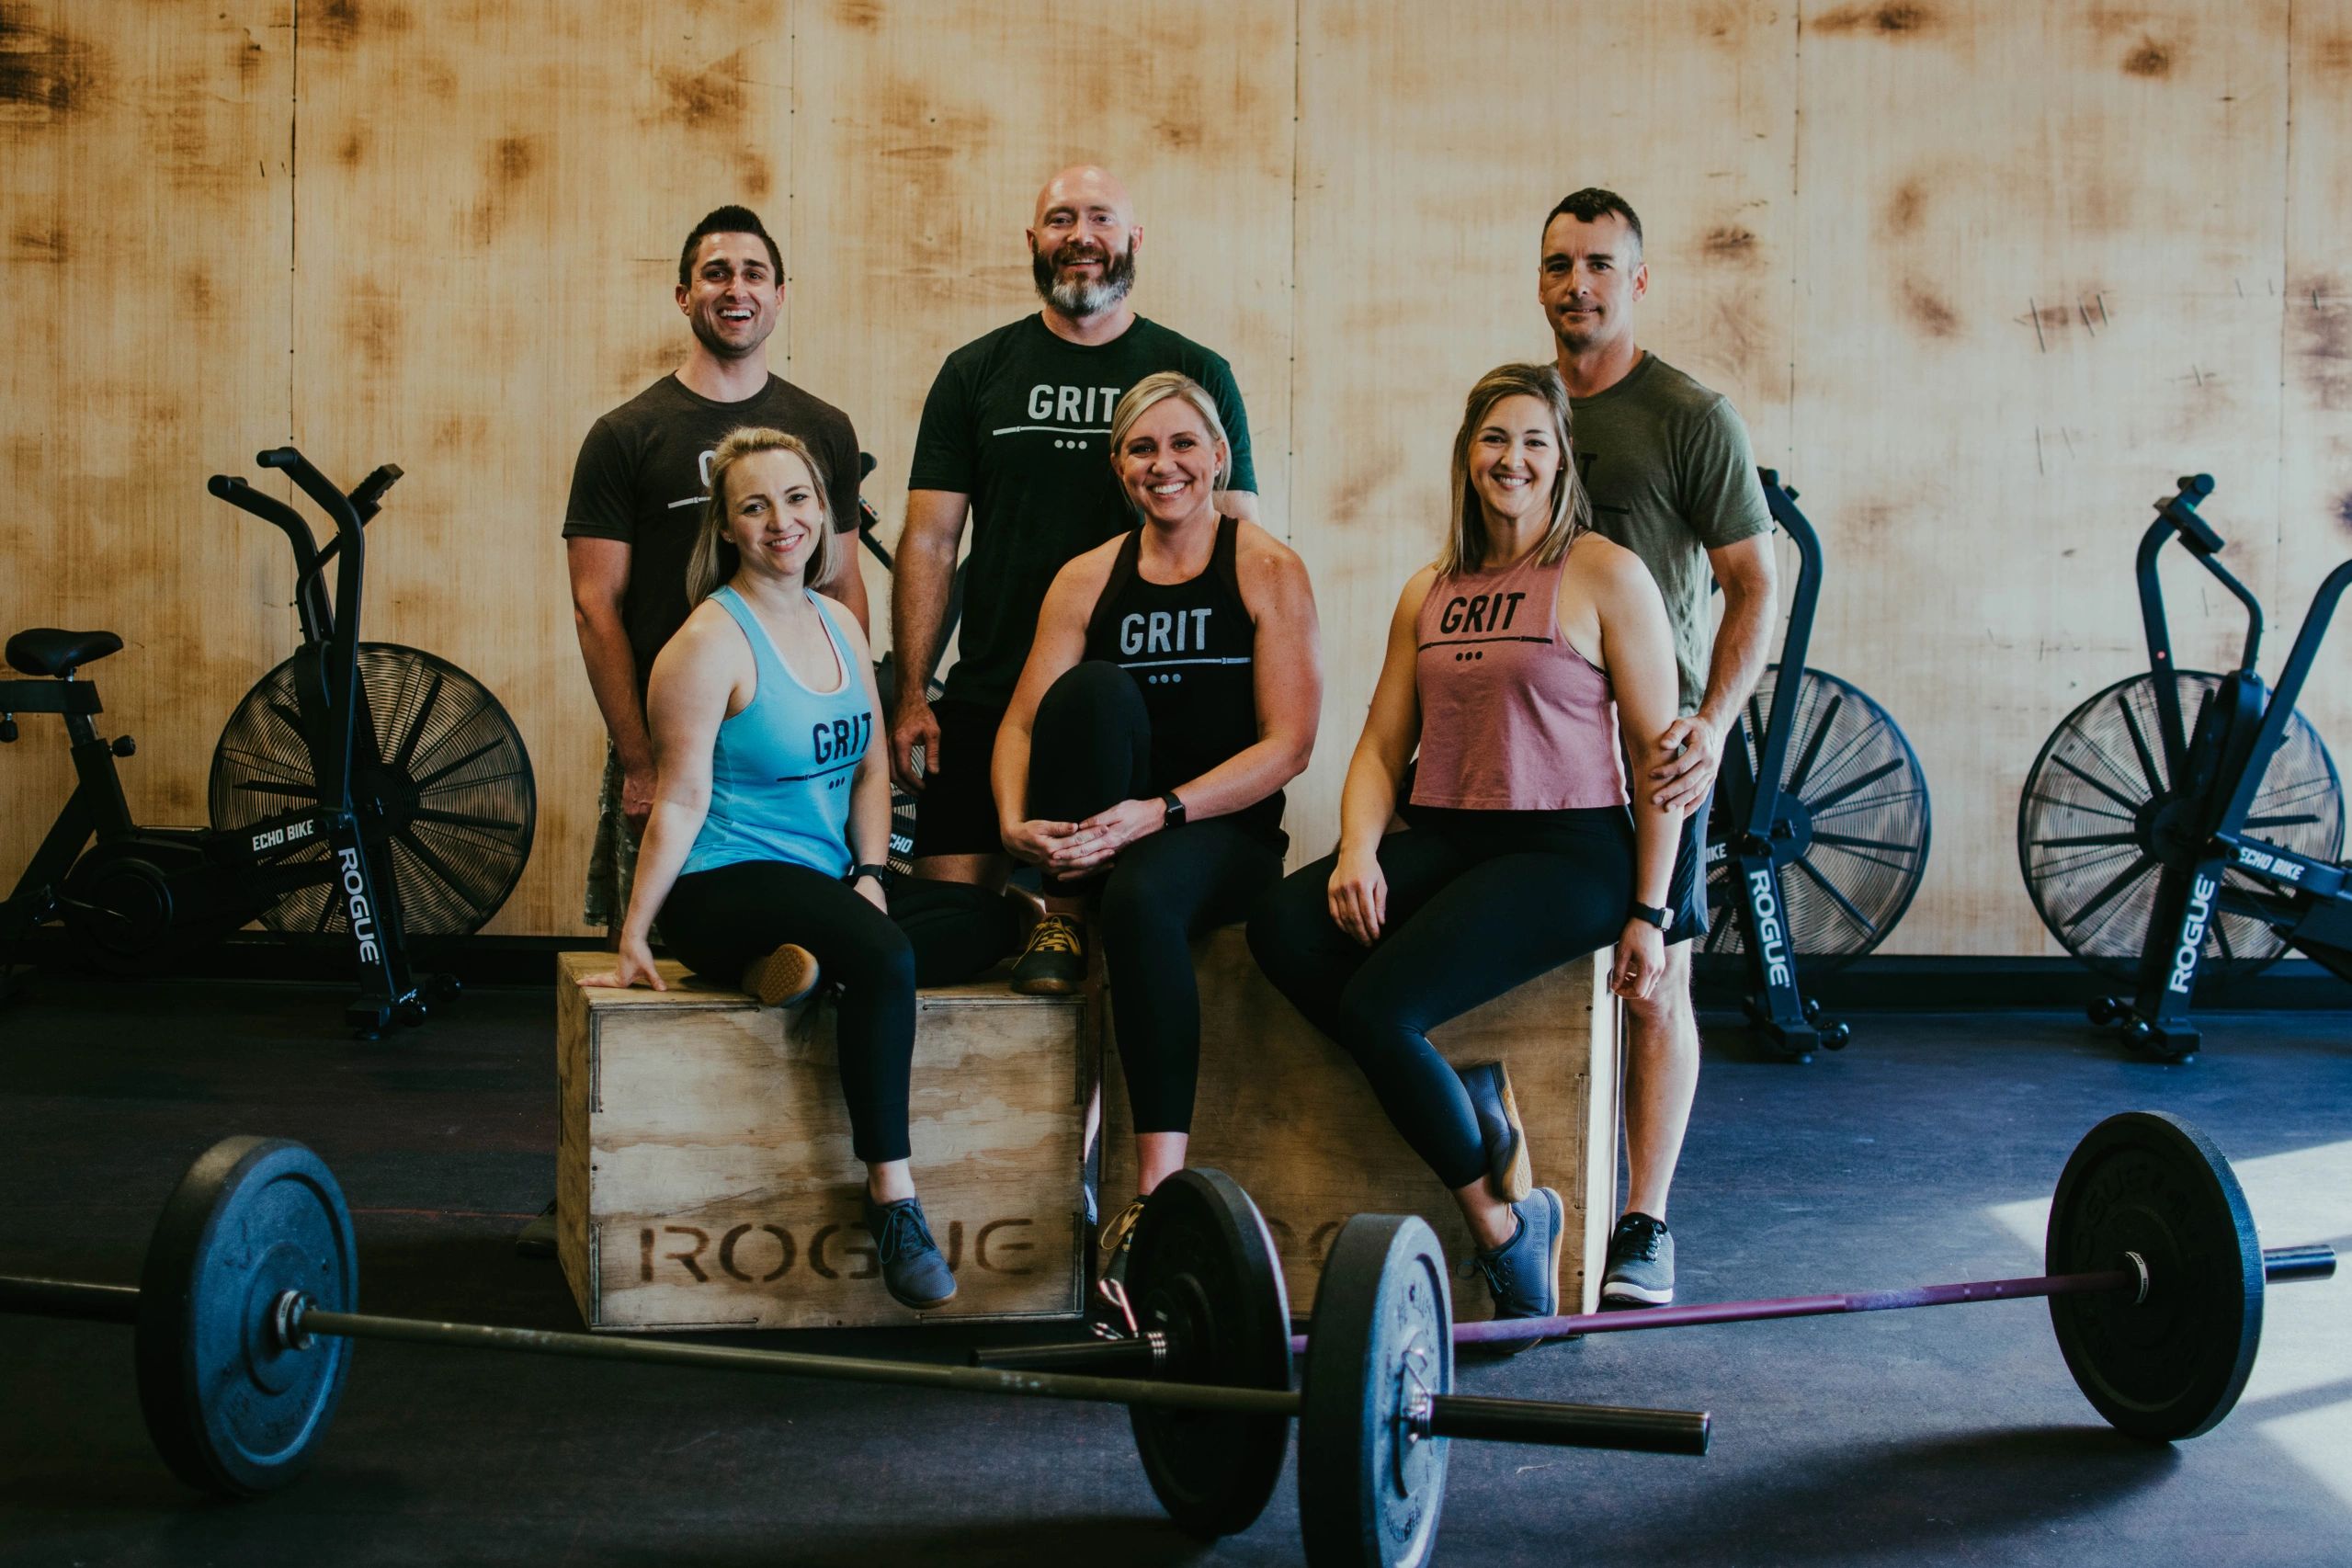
2041, 254
1431, 146
488, 218
2315, 446
144, 242
923, 131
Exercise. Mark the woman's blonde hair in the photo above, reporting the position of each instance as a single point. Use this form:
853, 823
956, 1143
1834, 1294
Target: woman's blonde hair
715, 558
1571, 508
1158, 389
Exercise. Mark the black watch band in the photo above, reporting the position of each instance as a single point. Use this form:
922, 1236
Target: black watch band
1175, 810
1658, 914
879, 873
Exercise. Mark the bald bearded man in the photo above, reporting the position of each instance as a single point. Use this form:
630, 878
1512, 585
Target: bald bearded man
1014, 438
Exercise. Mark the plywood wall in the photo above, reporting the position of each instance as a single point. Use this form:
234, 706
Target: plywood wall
1983, 276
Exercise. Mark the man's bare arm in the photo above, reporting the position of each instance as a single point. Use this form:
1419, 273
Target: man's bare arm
920, 578
847, 587
599, 572
1750, 580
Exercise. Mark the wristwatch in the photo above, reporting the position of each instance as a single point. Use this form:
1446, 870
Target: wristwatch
881, 874
1657, 914
1175, 810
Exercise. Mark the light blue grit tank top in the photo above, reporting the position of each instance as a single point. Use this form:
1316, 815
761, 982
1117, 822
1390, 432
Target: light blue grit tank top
780, 773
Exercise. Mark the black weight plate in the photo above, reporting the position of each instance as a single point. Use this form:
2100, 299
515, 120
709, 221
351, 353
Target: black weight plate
1368, 1492
1203, 1272
230, 1409
2170, 1367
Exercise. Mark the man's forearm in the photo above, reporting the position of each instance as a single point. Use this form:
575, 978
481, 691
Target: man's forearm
1742, 647
919, 608
612, 676
847, 587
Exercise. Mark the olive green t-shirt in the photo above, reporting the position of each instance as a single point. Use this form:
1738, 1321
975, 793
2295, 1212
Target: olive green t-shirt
1672, 477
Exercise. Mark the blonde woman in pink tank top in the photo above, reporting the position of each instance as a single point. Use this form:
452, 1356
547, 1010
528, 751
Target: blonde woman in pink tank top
1525, 664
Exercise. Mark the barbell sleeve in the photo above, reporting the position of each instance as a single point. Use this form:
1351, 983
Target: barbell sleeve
2290, 1265
1487, 1420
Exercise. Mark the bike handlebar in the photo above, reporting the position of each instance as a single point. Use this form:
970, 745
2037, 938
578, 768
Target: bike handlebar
2180, 511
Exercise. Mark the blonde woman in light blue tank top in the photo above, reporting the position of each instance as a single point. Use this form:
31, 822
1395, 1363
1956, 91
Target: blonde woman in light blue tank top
771, 813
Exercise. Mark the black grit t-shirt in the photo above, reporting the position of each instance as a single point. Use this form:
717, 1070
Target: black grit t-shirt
644, 471
1019, 421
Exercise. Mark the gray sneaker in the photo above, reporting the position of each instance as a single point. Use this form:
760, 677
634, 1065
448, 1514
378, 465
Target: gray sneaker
1523, 1274
913, 1271
1640, 1265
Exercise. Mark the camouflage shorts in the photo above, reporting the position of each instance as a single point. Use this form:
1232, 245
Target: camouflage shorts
612, 863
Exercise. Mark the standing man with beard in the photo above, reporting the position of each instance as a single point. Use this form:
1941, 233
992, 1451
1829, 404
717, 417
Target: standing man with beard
1013, 436
1672, 479
637, 497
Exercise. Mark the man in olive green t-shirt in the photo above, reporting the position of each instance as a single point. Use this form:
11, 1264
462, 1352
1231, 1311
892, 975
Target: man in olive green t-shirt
1672, 479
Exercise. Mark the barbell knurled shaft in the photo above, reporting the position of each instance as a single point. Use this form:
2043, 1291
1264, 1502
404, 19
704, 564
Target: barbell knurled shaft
1570, 1425
69, 1299
792, 1363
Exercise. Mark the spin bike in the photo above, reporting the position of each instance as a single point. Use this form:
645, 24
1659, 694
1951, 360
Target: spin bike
2159, 846
318, 814
1819, 834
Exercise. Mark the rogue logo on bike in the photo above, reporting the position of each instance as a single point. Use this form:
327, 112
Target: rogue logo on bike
2192, 933
1768, 934
355, 888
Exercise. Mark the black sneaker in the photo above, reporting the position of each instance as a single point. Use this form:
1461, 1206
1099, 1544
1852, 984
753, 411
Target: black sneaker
913, 1271
1640, 1265
1054, 963
1508, 1172
1523, 1274
537, 1238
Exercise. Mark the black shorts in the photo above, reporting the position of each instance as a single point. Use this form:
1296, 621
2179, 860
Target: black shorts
1686, 892
956, 813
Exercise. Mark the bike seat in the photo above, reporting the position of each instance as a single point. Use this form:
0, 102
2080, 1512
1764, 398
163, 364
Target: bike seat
45, 651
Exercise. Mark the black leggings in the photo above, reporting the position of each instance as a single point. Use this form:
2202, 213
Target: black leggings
1478, 902
958, 929
718, 921
1090, 747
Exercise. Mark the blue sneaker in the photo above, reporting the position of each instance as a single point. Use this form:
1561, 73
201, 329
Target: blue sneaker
913, 1271
1523, 1274
1640, 1265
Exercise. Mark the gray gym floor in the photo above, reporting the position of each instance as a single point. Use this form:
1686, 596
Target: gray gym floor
1925, 1152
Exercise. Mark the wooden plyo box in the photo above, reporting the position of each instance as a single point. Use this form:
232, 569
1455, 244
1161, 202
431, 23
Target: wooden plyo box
1289, 1116
704, 1173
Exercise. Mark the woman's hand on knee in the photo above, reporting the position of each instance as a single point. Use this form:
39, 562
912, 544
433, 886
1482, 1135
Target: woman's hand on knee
1359, 896
1641, 959
1107, 832
1037, 841
632, 964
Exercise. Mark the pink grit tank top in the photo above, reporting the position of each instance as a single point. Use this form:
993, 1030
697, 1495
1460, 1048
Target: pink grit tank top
1512, 718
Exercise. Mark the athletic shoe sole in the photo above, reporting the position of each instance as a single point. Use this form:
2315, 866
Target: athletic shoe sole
1619, 1295
783, 977
1514, 1177
1049, 987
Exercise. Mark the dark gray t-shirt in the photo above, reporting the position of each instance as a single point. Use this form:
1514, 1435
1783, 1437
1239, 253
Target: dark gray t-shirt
1019, 421
1672, 477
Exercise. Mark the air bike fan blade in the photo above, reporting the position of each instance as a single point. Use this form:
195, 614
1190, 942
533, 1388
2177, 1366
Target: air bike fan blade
447, 763
2087, 828
1860, 804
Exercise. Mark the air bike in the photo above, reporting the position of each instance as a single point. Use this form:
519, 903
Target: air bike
1819, 831
2181, 822
360, 789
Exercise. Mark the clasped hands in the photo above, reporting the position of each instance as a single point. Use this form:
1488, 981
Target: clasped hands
1073, 848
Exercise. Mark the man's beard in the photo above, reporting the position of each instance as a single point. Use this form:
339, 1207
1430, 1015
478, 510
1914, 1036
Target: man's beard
1081, 298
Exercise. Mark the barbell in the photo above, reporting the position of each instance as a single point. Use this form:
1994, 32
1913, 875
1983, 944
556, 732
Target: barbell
246, 1311
2156, 1281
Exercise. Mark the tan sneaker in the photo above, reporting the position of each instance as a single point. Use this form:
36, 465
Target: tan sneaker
782, 977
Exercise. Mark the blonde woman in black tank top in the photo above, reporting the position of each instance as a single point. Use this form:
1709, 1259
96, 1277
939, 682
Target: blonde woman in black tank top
1172, 690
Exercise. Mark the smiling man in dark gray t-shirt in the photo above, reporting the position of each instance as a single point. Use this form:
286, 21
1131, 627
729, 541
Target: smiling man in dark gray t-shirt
1668, 463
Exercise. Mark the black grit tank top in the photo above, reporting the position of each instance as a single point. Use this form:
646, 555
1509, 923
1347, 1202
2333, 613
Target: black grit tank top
1191, 649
